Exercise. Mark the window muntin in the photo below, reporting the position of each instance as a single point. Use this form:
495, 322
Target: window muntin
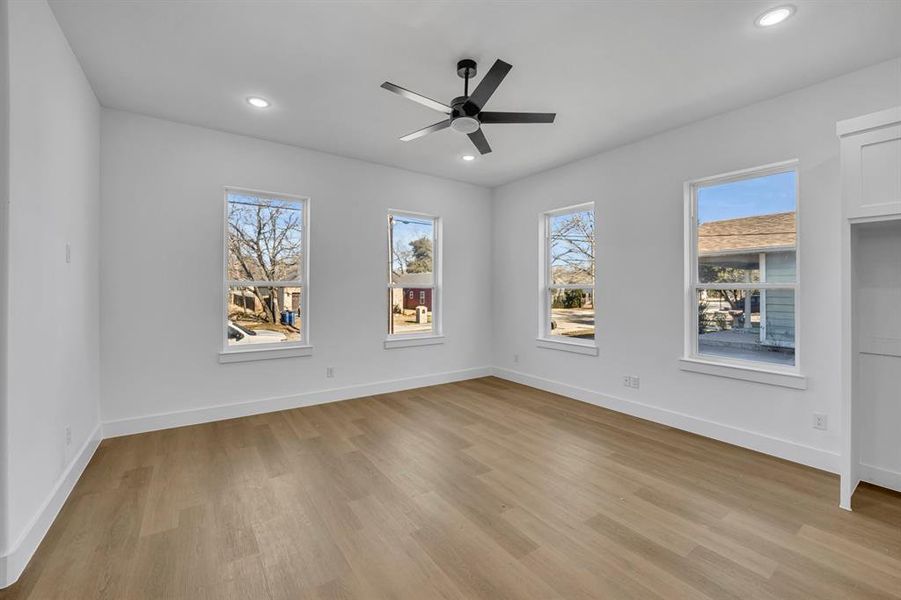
414, 251
265, 270
744, 272
569, 277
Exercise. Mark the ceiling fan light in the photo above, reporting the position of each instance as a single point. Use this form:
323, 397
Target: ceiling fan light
465, 124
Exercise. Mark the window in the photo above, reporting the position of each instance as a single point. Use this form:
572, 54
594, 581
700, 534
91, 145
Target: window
266, 288
413, 275
742, 296
568, 278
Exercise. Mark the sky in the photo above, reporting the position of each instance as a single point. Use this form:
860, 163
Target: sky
748, 197
249, 200
408, 228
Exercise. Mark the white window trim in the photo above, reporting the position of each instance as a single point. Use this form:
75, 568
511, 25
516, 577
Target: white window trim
545, 339
301, 347
757, 371
436, 336
568, 346
266, 352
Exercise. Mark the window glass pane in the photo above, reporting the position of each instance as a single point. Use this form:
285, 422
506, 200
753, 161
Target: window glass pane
412, 243
756, 325
747, 230
410, 310
263, 315
264, 238
571, 247
572, 313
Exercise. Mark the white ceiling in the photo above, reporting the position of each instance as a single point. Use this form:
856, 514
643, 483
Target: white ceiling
613, 71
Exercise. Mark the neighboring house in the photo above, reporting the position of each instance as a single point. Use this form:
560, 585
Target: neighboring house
244, 300
412, 294
767, 243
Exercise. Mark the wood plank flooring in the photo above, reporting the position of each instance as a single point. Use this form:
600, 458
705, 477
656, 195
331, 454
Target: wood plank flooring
480, 489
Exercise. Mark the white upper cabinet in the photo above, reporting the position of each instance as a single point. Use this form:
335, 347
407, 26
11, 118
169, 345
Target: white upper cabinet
871, 164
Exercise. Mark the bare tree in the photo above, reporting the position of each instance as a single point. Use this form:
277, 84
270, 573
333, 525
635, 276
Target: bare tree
573, 247
264, 244
402, 253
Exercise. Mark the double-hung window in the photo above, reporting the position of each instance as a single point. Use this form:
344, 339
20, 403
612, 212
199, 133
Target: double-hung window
568, 276
743, 277
414, 276
266, 264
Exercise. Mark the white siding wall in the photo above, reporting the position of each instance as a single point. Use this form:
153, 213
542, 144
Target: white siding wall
780, 304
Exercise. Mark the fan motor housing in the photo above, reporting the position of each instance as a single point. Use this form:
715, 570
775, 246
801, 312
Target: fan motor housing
460, 121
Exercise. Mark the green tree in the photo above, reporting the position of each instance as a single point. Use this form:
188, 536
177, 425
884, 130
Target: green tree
572, 299
421, 259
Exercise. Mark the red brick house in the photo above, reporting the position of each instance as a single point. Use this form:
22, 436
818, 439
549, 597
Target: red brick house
412, 294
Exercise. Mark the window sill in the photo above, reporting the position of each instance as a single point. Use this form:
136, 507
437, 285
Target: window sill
409, 342
233, 356
576, 347
756, 374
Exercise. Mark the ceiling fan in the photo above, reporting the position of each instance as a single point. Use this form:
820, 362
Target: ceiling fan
464, 113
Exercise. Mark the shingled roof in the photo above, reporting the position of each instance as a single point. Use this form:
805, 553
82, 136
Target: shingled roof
412, 280
748, 234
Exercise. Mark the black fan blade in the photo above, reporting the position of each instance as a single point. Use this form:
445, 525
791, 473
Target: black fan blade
486, 87
433, 104
426, 130
478, 139
516, 117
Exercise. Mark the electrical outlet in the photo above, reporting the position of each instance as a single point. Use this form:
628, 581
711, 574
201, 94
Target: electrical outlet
630, 381
68, 435
820, 421
516, 358
330, 371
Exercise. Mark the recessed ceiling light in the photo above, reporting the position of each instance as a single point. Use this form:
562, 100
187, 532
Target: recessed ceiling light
774, 16
257, 102
468, 157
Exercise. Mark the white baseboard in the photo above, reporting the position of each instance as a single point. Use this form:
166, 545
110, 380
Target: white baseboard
254, 407
879, 476
792, 451
14, 562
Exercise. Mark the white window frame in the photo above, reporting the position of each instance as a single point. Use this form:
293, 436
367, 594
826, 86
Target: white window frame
750, 370
302, 347
545, 284
436, 336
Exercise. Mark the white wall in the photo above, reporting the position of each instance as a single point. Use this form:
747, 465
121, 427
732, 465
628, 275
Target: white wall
53, 336
638, 191
161, 235
4, 287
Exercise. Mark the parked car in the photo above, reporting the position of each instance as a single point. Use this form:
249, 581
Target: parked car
241, 335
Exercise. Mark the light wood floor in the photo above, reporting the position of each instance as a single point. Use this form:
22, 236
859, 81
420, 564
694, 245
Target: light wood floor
481, 489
